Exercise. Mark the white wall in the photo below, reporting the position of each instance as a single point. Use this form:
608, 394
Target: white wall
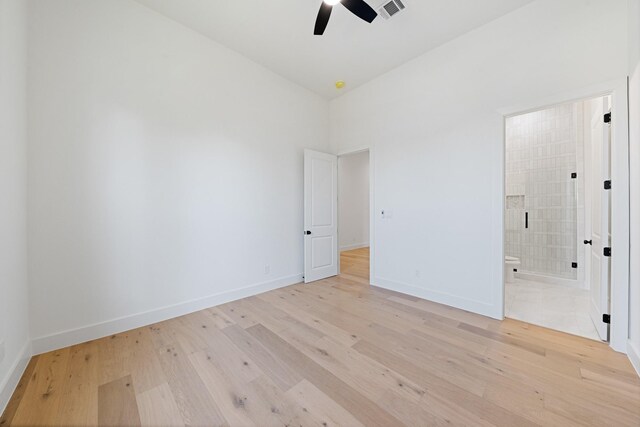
437, 130
634, 142
353, 200
14, 321
164, 169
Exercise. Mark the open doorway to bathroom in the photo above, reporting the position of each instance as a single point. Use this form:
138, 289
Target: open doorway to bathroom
557, 217
354, 215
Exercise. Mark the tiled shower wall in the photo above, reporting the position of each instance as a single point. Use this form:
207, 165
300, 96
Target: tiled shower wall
542, 149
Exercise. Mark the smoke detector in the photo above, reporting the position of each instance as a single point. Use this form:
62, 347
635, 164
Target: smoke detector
390, 8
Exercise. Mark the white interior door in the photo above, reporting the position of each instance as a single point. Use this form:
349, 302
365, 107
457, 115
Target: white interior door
320, 215
600, 215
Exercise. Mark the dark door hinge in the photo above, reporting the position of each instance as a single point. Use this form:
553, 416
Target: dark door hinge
574, 265
607, 185
607, 118
607, 252
574, 175
606, 318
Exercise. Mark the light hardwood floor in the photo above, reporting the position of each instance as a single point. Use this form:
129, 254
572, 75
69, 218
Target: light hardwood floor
355, 265
333, 353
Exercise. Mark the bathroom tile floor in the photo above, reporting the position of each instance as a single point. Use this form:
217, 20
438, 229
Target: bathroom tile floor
556, 307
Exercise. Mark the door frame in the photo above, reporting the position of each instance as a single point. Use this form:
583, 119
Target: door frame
372, 217
620, 225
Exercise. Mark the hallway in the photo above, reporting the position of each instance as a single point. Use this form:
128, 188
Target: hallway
354, 265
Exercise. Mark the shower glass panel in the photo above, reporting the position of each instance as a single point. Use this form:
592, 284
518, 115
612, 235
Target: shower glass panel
541, 182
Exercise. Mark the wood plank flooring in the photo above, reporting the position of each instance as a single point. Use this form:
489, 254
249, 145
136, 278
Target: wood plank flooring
355, 264
333, 353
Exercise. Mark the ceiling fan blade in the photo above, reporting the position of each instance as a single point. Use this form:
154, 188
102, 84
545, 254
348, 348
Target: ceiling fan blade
361, 9
323, 19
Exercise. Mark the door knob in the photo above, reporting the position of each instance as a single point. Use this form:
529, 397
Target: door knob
588, 242
307, 232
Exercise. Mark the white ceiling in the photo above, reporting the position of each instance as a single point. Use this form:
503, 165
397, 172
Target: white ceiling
279, 34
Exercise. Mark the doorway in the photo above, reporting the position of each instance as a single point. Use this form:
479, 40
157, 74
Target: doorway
323, 251
354, 215
557, 217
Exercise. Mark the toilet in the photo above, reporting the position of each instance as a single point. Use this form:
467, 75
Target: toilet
510, 263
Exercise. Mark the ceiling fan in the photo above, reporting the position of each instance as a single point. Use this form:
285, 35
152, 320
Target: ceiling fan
358, 7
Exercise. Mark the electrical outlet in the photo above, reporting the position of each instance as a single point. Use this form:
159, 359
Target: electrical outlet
267, 269
1, 351
417, 274
386, 214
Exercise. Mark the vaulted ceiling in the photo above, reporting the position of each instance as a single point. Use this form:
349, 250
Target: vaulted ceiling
279, 34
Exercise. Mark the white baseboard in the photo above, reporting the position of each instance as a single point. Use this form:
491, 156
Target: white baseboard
115, 326
440, 298
354, 246
633, 352
9, 384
